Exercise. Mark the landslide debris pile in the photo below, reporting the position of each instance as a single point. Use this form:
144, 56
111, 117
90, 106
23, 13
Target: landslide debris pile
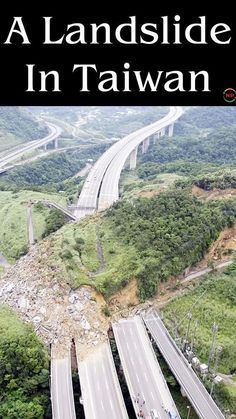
38, 293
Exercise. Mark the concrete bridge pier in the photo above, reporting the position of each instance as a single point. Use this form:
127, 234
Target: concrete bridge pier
155, 137
45, 147
171, 130
162, 132
183, 392
145, 145
133, 159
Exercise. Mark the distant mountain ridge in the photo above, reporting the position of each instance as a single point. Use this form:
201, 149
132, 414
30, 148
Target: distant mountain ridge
18, 125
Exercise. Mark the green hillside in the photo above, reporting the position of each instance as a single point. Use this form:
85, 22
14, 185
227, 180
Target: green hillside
24, 362
198, 119
218, 148
51, 170
213, 300
13, 216
17, 126
176, 230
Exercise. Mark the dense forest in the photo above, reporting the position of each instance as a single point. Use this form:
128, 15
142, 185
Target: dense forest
197, 119
54, 220
24, 392
50, 170
176, 230
190, 155
218, 148
20, 123
222, 179
148, 171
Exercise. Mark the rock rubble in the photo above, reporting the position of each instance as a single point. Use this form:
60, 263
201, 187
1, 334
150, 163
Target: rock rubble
38, 294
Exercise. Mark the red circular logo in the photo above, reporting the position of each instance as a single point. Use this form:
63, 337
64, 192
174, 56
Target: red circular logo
229, 95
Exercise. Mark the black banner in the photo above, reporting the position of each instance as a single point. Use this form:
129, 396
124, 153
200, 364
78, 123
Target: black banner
149, 56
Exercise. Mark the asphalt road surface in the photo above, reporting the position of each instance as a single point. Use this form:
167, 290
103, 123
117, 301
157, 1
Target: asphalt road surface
102, 397
61, 389
146, 383
197, 394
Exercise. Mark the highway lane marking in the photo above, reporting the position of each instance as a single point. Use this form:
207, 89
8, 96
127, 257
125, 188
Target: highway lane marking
114, 169
137, 378
106, 383
118, 393
170, 363
58, 403
109, 158
70, 398
55, 367
116, 330
130, 351
187, 372
55, 381
112, 407
132, 324
102, 404
97, 378
152, 364
90, 400
149, 405
153, 398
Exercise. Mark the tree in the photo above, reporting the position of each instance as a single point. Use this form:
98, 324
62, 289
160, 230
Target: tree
54, 221
24, 372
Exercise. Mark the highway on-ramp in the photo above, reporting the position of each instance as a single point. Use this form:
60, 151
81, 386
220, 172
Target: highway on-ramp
55, 205
61, 389
101, 393
146, 383
197, 394
55, 131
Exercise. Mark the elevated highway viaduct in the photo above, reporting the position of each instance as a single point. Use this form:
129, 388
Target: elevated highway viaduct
101, 186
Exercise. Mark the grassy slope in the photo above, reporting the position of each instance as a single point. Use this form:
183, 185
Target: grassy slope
14, 325
13, 216
214, 302
120, 261
131, 186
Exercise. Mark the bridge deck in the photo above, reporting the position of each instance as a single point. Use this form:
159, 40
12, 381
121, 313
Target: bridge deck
146, 383
197, 394
61, 389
